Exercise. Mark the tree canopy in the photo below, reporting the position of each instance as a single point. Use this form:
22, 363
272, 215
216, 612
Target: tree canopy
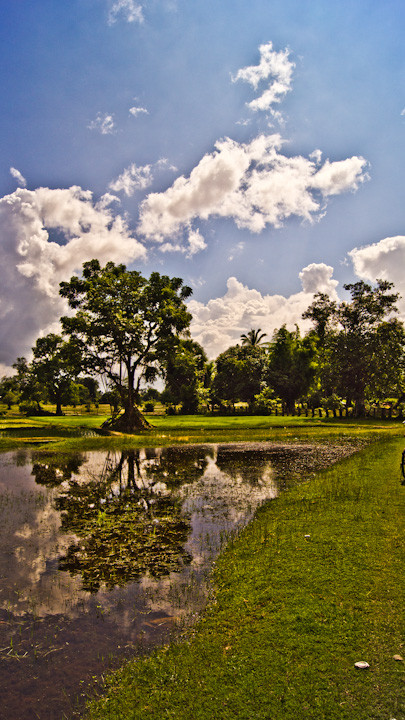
124, 326
361, 343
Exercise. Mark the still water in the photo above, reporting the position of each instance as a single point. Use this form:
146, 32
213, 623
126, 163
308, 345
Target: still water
106, 554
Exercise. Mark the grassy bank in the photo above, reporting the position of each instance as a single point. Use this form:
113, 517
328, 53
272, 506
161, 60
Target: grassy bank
312, 585
77, 432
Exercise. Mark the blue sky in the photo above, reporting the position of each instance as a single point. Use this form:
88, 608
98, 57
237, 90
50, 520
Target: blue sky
141, 132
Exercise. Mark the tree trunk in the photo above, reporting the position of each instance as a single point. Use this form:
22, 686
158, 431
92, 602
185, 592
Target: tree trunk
58, 405
131, 421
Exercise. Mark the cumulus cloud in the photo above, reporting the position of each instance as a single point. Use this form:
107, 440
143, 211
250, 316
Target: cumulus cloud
138, 177
221, 321
129, 10
135, 111
195, 244
18, 176
132, 178
337, 177
274, 65
384, 259
253, 184
103, 123
34, 262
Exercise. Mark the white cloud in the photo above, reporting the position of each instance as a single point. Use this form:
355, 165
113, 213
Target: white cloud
103, 123
252, 183
384, 259
128, 9
316, 156
132, 178
337, 177
196, 243
220, 323
138, 111
317, 277
275, 65
29, 299
18, 176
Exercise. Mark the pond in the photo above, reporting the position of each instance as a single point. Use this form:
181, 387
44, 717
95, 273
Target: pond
104, 555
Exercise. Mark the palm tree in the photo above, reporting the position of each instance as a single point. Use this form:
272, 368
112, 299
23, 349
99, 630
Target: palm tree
253, 337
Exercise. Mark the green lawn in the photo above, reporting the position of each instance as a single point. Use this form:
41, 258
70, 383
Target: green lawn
180, 429
312, 585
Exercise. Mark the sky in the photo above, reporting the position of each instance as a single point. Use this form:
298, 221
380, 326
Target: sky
254, 149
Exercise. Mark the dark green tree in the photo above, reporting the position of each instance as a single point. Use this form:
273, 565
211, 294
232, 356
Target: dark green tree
9, 391
31, 391
125, 325
56, 363
184, 375
239, 374
362, 344
291, 367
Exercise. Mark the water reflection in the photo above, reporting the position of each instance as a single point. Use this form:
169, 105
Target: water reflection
101, 552
128, 522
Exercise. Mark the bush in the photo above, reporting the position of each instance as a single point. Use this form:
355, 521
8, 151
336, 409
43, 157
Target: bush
32, 409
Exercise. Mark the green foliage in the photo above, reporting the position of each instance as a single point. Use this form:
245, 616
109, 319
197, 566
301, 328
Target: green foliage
28, 408
360, 345
253, 337
291, 368
185, 368
30, 389
9, 391
55, 364
239, 374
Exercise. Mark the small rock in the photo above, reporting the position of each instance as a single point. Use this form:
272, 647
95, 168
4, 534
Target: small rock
399, 658
362, 664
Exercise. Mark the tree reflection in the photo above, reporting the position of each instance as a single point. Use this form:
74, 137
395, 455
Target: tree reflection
234, 463
52, 470
127, 519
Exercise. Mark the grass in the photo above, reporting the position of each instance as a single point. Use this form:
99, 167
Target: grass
181, 429
312, 585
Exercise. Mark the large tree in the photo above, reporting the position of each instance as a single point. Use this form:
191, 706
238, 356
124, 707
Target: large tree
125, 326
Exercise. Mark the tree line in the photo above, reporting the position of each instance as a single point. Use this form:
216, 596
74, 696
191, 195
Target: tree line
129, 331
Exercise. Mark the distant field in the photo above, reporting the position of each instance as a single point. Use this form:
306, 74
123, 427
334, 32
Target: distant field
79, 431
